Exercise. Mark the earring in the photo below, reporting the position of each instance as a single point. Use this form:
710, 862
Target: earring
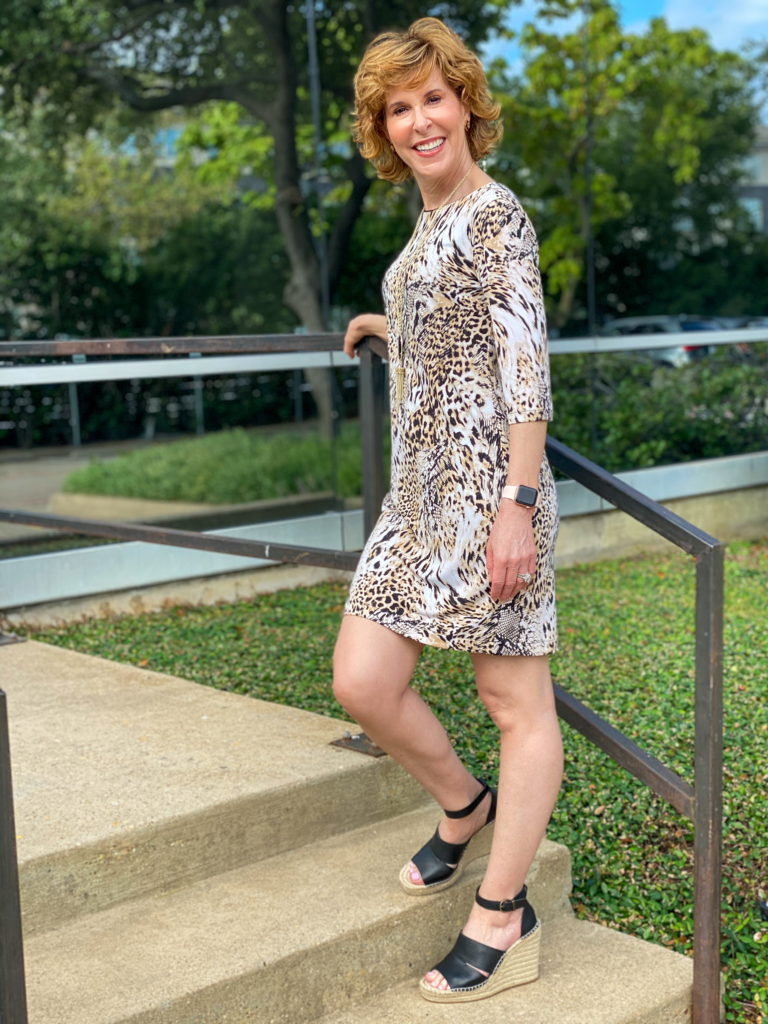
466, 125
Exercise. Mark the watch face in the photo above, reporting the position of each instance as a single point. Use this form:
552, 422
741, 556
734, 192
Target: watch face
526, 495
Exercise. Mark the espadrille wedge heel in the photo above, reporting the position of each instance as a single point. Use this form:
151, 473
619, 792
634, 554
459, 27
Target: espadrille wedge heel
441, 864
476, 971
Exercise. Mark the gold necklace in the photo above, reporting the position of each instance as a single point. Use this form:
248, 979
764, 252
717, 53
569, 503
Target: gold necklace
453, 191
425, 236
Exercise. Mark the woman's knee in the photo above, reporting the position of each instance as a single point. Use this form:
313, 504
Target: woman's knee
352, 688
371, 667
517, 693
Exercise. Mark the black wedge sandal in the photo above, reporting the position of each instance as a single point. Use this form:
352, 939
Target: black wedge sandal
441, 864
504, 968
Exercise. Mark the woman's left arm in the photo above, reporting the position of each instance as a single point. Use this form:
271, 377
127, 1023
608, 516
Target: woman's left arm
511, 548
505, 254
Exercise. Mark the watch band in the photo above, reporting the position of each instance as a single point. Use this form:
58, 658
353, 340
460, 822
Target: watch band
522, 495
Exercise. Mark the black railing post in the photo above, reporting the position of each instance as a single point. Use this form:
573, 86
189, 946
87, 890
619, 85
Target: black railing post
708, 786
371, 405
13, 998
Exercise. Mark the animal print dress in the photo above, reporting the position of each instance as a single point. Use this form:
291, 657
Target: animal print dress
468, 356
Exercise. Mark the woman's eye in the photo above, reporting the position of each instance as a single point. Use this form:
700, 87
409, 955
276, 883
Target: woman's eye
398, 110
433, 99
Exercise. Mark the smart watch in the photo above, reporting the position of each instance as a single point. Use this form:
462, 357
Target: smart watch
525, 496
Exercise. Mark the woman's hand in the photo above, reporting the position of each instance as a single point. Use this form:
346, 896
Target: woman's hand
360, 327
510, 550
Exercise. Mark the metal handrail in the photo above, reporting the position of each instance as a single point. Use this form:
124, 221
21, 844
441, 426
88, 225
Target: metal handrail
702, 803
222, 344
13, 999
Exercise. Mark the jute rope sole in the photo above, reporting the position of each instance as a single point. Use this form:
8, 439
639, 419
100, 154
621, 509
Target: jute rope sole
479, 846
518, 966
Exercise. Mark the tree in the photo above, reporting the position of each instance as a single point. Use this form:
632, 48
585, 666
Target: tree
158, 55
155, 55
638, 138
678, 148
79, 221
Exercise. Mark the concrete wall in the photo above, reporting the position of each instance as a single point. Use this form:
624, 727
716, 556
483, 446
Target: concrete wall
728, 515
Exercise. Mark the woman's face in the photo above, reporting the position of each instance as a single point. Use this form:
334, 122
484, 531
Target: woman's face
425, 124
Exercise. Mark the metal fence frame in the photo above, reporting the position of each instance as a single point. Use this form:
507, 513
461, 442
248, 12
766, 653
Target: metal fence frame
702, 803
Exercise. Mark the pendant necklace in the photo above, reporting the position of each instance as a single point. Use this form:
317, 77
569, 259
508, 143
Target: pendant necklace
425, 236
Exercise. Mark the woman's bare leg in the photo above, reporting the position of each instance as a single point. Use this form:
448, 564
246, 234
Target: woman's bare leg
372, 669
518, 694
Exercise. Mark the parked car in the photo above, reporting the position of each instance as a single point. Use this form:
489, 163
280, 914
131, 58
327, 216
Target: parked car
674, 355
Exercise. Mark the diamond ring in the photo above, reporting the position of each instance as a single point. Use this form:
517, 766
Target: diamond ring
526, 576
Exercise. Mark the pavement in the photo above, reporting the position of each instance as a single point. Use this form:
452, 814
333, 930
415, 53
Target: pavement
29, 481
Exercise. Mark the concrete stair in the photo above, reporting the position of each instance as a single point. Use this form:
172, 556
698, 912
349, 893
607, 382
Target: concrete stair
194, 857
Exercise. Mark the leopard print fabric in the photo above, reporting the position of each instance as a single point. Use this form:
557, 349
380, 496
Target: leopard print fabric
466, 323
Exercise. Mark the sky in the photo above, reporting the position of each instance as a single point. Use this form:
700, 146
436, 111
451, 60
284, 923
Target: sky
730, 23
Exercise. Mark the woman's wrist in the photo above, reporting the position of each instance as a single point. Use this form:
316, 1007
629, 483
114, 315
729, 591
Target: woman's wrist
511, 510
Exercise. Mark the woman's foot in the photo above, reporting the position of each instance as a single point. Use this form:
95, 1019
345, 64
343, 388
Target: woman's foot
499, 948
458, 830
494, 929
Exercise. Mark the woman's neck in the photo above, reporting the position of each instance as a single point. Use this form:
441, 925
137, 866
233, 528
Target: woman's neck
441, 193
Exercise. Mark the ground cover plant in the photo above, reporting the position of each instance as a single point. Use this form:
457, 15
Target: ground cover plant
627, 651
230, 466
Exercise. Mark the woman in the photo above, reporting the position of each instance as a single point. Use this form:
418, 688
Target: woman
462, 554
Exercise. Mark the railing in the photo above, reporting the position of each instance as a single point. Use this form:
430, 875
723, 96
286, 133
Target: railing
702, 803
271, 355
13, 1001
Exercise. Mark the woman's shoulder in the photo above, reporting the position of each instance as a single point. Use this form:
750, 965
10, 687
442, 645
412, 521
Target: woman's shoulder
494, 196
496, 210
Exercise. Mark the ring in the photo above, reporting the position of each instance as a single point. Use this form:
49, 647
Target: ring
526, 576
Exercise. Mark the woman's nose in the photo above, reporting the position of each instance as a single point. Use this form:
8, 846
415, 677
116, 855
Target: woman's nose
421, 120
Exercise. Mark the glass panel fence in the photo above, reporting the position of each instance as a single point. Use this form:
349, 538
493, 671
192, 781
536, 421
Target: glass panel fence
662, 406
201, 453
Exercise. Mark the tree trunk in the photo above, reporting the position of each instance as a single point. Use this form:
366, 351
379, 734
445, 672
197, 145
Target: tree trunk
302, 292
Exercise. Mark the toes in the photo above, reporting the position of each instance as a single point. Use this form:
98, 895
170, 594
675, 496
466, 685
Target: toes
435, 980
413, 874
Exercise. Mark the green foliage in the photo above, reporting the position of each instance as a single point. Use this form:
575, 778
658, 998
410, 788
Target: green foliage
229, 467
72, 62
627, 651
665, 121
224, 147
94, 243
626, 414
100, 239
221, 270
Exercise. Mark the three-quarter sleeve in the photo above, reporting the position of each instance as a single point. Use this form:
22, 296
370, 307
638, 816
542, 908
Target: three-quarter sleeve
505, 256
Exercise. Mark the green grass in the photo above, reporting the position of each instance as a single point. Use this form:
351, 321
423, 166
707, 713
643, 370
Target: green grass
228, 467
627, 650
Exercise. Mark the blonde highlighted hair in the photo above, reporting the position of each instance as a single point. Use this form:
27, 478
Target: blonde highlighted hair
408, 59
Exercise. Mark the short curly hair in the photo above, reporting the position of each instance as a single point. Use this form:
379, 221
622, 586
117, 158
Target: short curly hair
409, 58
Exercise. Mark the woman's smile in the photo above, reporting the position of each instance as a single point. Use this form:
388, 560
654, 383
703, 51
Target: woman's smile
431, 146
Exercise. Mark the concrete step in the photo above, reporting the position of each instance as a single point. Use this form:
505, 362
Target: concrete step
281, 941
127, 781
195, 857
589, 975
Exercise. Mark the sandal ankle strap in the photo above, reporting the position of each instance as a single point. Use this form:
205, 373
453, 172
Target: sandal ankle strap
504, 906
466, 811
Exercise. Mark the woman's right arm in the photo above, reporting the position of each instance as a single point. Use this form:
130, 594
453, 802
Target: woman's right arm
360, 327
